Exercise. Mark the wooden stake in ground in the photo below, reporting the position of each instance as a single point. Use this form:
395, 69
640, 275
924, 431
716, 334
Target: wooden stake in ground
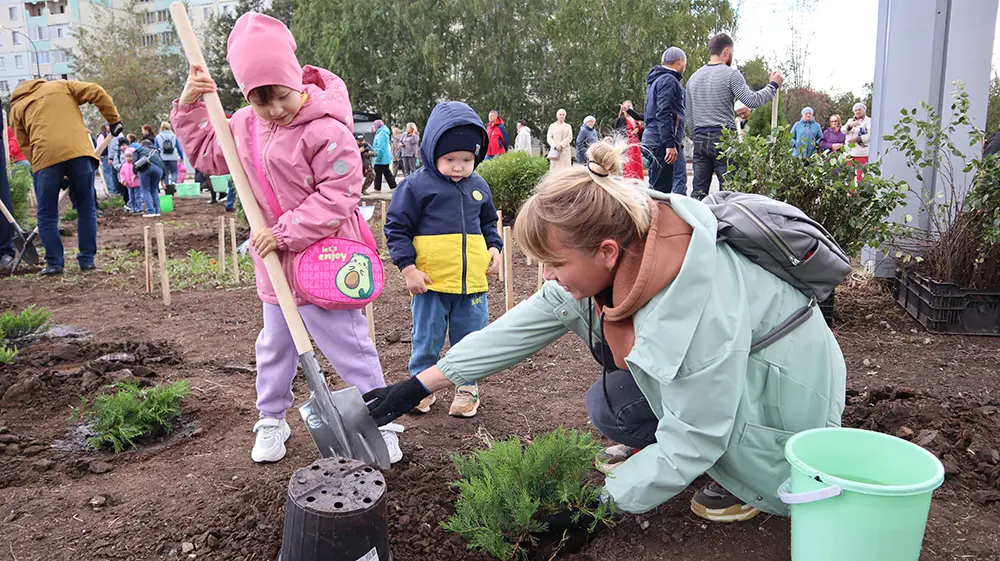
502, 251
541, 278
236, 259
370, 316
164, 278
774, 109
149, 263
508, 266
222, 247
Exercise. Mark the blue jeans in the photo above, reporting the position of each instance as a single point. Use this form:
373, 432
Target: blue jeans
80, 172
622, 414
134, 199
680, 174
108, 172
661, 174
434, 314
170, 174
231, 196
149, 180
6, 229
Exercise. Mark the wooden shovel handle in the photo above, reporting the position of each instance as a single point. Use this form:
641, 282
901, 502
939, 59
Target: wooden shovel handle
225, 137
774, 108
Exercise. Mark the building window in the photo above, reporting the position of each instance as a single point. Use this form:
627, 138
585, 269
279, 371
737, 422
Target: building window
19, 61
3, 63
162, 16
58, 56
12, 12
39, 33
16, 37
150, 17
35, 11
4, 86
58, 31
148, 40
166, 38
207, 12
43, 57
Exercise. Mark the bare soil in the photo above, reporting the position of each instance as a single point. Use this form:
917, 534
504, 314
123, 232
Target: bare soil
199, 487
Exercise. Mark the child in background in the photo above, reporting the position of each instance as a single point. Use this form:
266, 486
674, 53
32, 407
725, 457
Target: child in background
130, 179
298, 129
441, 228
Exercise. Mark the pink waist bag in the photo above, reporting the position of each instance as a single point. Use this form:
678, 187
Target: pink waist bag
333, 273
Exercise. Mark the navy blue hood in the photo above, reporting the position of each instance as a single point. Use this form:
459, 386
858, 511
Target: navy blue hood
658, 71
445, 116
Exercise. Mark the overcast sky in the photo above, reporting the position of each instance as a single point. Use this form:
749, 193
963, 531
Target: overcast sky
833, 64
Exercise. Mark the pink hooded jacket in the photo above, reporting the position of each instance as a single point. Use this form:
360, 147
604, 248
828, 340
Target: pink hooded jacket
312, 164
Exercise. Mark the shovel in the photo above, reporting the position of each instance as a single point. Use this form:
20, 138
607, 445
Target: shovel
337, 421
24, 249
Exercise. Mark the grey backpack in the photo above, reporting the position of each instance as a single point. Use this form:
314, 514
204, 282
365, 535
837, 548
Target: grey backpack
783, 240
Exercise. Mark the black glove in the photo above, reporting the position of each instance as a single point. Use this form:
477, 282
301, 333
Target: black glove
393, 401
117, 128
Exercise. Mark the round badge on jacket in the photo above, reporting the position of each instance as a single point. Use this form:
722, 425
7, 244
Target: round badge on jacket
477, 195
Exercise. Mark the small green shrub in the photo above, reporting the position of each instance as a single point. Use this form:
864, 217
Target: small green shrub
7, 354
508, 490
20, 184
198, 269
28, 322
114, 201
69, 216
823, 186
512, 178
131, 412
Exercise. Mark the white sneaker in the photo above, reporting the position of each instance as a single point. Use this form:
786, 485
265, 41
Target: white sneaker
270, 443
151, 215
390, 433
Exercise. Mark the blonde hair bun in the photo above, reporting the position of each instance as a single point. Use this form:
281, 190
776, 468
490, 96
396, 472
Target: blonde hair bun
608, 155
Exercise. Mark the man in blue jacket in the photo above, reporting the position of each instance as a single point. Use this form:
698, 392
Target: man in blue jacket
664, 134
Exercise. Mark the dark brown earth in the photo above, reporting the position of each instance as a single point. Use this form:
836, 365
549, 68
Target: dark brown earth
200, 487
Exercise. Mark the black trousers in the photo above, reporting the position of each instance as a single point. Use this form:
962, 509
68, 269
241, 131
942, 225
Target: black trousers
382, 170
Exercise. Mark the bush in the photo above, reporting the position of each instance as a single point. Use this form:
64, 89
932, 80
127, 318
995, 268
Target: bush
512, 178
113, 201
20, 184
28, 322
119, 419
508, 491
69, 216
962, 243
821, 186
7, 354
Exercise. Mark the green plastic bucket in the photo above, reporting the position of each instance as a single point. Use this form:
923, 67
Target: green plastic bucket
858, 495
188, 189
166, 203
220, 183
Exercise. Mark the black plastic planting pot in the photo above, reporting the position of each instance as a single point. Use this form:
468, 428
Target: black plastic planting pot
336, 511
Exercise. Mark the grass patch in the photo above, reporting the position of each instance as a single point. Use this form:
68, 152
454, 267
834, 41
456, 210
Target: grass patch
69, 216
131, 413
28, 322
198, 270
113, 201
7, 354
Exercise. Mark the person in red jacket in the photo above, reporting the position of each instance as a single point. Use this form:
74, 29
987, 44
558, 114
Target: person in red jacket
497, 133
16, 155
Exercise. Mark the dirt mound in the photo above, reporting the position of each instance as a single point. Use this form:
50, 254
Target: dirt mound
50, 372
962, 432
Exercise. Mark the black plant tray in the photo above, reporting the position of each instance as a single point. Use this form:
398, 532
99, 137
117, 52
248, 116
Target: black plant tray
947, 308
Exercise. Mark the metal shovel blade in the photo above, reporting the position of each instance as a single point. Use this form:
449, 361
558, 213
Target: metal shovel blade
338, 421
25, 249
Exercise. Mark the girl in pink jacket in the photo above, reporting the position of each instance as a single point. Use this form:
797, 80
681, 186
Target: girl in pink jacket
130, 179
303, 123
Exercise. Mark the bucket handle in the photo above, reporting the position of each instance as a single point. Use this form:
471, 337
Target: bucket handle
789, 498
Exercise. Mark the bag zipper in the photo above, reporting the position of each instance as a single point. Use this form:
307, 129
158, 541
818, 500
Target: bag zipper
768, 233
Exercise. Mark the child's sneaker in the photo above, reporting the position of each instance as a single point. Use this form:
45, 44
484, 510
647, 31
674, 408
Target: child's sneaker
270, 443
466, 401
390, 433
425, 404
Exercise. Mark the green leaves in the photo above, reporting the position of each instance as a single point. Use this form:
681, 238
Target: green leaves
131, 412
507, 490
28, 322
512, 178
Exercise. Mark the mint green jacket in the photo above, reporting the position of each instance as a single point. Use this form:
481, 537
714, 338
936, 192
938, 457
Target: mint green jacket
722, 410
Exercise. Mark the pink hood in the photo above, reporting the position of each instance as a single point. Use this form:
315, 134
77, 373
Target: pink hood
312, 164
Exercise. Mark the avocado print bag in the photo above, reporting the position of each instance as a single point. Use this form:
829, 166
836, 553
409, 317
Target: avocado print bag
333, 273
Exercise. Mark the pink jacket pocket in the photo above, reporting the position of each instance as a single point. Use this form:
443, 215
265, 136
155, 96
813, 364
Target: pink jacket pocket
340, 273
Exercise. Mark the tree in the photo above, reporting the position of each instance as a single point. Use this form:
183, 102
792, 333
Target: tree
756, 72
142, 80
795, 99
993, 105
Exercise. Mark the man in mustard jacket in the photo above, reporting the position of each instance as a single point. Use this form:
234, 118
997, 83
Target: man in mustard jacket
49, 128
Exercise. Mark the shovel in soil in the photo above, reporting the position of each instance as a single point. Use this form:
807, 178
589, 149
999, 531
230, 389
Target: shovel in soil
337, 421
24, 249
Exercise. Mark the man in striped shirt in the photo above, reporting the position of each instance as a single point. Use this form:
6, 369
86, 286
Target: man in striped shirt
711, 93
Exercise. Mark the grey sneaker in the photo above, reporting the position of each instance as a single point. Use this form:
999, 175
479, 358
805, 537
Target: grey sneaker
610, 458
716, 504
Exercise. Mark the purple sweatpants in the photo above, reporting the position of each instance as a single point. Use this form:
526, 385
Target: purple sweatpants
342, 335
